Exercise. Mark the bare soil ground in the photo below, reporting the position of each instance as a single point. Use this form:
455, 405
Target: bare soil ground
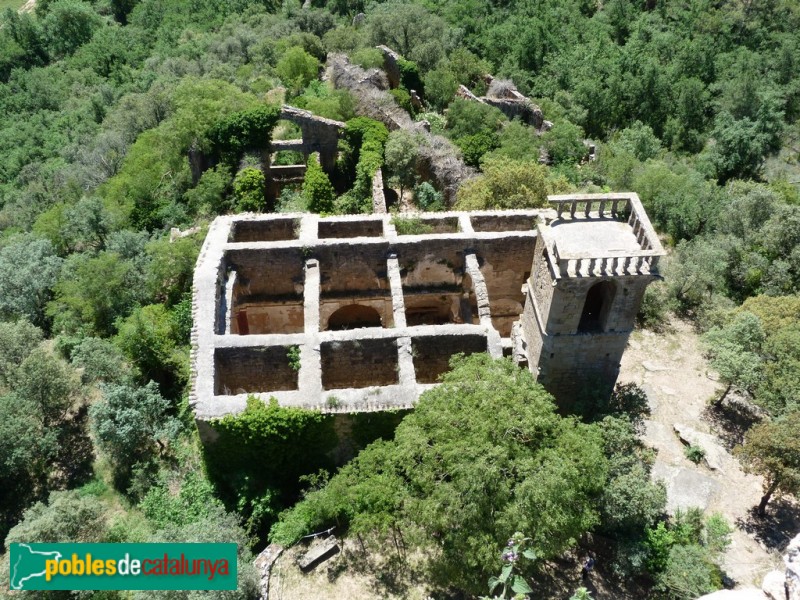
671, 367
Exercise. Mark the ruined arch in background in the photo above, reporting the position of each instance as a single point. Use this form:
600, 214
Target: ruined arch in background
597, 307
354, 316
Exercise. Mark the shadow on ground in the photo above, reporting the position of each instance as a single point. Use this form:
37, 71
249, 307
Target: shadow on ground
777, 527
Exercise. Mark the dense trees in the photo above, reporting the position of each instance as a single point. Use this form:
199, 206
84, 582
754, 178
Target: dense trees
482, 455
104, 102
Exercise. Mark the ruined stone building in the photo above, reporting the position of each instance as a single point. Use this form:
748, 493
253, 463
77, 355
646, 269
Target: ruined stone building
347, 314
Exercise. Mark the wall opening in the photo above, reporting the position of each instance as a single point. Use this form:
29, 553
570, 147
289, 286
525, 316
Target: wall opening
432, 354
265, 230
354, 316
359, 363
597, 307
505, 264
268, 291
354, 274
350, 229
436, 289
252, 370
503, 222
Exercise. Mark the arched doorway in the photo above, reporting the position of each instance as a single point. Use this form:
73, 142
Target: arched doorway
598, 303
354, 316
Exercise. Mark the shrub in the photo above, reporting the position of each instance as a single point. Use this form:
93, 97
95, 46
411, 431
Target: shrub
317, 188
248, 190
694, 453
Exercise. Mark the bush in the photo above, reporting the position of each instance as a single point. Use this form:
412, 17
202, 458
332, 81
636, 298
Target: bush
694, 453
318, 191
410, 226
231, 137
248, 190
427, 198
688, 574
369, 137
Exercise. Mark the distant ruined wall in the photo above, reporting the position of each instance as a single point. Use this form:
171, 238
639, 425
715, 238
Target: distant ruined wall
440, 159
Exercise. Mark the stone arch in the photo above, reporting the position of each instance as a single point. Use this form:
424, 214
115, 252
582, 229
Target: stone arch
597, 307
354, 316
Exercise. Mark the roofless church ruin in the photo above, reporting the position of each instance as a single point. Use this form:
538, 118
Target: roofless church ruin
346, 314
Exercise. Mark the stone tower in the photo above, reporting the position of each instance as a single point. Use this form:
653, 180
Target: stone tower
591, 266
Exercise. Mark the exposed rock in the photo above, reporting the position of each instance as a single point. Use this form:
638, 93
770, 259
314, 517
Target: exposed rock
774, 585
176, 234
743, 594
714, 453
524, 110
439, 159
464, 93
685, 487
792, 560
319, 551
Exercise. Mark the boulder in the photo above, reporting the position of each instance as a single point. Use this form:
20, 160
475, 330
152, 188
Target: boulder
774, 585
715, 454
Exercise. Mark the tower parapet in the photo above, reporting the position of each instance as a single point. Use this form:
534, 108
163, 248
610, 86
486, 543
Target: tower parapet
591, 266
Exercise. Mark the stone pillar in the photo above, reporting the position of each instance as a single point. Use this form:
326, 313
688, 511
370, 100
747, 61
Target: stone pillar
493, 340
310, 377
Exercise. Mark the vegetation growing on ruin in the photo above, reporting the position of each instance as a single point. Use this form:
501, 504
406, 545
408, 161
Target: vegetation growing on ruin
695, 106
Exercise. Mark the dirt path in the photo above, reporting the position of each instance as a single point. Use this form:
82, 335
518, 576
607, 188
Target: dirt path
672, 370
29, 6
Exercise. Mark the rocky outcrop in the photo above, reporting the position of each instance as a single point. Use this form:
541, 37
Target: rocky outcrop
504, 96
440, 161
777, 585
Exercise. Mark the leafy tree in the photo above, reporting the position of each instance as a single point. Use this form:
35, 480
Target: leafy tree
564, 143
101, 361
317, 188
506, 184
68, 25
411, 30
483, 454
465, 117
172, 267
297, 68
208, 197
739, 148
427, 198
772, 450
131, 424
17, 342
93, 291
48, 384
735, 353
248, 190
639, 140
688, 573
66, 517
401, 153
149, 338
29, 269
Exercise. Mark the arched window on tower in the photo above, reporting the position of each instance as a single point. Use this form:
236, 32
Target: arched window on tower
597, 307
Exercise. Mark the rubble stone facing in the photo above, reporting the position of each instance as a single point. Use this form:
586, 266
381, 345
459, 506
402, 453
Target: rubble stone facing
346, 314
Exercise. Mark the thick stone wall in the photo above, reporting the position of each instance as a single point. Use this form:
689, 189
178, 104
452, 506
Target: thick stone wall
244, 370
432, 354
359, 363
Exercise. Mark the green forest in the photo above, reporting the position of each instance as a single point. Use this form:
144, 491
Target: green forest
694, 105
